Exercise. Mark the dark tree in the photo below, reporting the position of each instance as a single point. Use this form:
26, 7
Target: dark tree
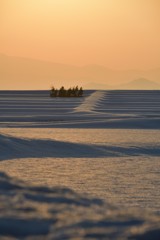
80, 92
62, 92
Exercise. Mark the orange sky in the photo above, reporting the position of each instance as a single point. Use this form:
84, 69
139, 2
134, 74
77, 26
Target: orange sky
119, 34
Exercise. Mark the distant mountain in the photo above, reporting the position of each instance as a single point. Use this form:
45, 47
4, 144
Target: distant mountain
24, 73
140, 84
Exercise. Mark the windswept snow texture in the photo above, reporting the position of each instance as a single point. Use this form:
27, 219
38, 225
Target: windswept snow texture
97, 109
14, 147
117, 165
28, 212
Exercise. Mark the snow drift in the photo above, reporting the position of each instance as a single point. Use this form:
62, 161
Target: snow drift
13, 147
29, 212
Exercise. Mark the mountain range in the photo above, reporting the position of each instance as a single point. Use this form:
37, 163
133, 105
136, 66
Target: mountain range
24, 73
137, 84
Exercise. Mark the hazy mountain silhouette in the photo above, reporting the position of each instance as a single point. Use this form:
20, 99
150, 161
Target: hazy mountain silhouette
25, 73
140, 84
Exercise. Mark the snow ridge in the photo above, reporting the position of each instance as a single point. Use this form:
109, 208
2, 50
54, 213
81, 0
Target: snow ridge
39, 148
91, 102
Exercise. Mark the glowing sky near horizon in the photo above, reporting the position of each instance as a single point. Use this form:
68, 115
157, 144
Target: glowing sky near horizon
120, 34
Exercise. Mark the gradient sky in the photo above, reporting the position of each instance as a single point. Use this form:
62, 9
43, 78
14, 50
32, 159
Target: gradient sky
119, 34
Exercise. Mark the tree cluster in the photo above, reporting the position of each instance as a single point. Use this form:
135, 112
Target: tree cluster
62, 92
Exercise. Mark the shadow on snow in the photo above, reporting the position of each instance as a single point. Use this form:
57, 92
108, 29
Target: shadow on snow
12, 147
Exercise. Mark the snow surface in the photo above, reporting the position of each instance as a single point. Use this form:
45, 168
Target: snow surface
28, 212
41, 212
117, 165
12, 147
97, 109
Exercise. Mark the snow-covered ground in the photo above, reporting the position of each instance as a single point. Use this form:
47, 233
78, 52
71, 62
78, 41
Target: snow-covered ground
97, 109
29, 212
117, 165
105, 145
